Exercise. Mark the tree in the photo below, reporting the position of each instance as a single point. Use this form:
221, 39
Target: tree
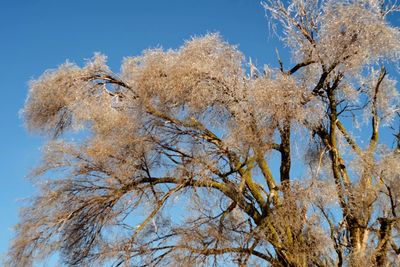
195, 157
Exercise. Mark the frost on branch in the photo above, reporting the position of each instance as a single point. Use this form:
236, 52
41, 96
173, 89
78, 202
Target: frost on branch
54, 97
356, 34
348, 34
202, 72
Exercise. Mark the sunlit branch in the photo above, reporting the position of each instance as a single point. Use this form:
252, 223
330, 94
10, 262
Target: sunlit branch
348, 138
228, 189
210, 251
157, 208
374, 111
299, 66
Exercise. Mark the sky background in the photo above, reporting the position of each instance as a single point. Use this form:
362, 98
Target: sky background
40, 34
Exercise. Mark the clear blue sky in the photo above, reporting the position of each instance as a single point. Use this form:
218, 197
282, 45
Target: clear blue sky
41, 34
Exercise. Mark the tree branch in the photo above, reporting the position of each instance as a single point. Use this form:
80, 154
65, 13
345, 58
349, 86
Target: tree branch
299, 66
157, 208
374, 111
348, 138
229, 190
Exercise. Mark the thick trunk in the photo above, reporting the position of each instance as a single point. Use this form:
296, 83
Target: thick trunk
285, 155
384, 236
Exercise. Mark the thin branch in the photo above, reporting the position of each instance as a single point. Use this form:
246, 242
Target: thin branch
156, 209
348, 138
299, 66
212, 251
374, 111
279, 60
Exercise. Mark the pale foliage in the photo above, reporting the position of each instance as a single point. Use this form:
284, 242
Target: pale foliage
188, 158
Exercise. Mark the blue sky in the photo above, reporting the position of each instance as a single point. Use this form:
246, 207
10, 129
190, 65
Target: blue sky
41, 34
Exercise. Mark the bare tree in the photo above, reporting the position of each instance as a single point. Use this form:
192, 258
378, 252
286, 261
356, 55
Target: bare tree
194, 157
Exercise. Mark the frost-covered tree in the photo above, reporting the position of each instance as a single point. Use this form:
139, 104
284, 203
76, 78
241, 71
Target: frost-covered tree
194, 156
